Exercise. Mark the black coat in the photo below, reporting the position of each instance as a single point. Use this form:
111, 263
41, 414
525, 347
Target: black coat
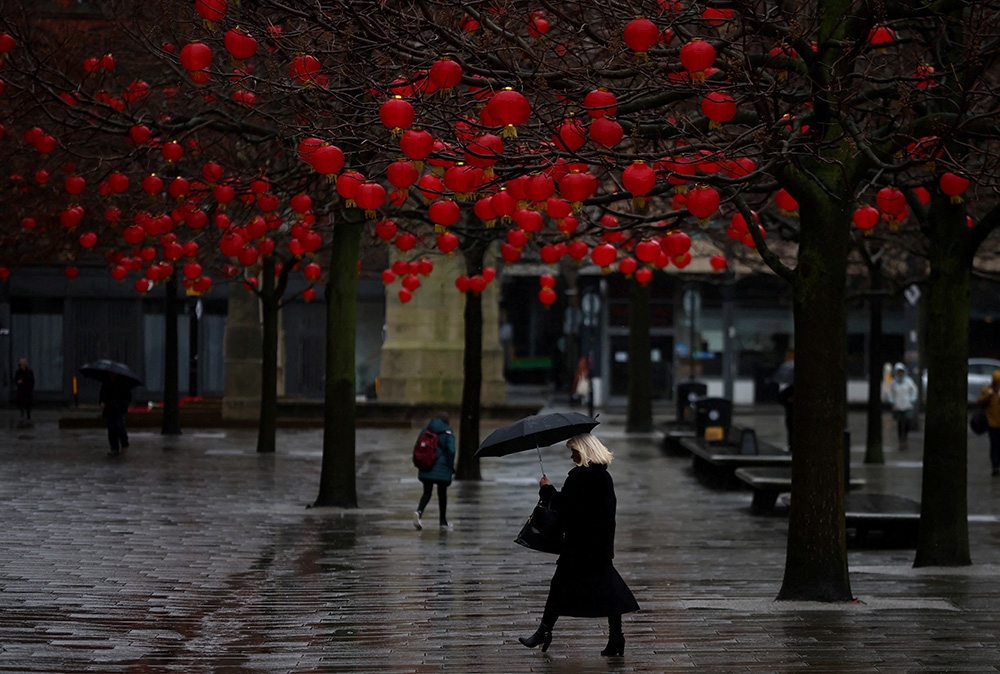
586, 583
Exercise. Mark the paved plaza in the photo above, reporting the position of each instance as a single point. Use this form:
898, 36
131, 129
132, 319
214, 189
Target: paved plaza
195, 554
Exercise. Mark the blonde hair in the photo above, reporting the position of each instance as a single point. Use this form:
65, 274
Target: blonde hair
590, 449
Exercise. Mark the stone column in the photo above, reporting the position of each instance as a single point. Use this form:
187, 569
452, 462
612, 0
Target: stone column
424, 342
242, 354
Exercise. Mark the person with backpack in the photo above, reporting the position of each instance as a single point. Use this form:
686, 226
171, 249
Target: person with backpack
437, 472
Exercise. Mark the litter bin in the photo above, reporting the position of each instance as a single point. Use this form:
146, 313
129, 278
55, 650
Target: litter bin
712, 412
687, 393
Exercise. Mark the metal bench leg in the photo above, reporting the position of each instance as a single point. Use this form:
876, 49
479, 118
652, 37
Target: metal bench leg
763, 501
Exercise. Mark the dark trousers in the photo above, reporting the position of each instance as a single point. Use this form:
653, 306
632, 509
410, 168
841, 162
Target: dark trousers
902, 423
442, 498
117, 435
994, 434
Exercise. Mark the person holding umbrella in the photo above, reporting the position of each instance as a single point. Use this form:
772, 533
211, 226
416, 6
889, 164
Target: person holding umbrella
115, 398
586, 583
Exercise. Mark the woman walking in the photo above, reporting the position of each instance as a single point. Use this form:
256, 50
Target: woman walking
586, 583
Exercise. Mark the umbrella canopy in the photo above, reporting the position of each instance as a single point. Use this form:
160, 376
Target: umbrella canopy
540, 430
101, 369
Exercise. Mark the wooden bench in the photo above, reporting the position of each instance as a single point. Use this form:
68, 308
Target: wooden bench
767, 483
716, 461
674, 433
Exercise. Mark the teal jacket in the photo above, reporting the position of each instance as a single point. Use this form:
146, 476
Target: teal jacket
444, 467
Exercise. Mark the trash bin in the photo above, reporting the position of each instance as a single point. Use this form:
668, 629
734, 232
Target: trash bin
687, 393
709, 412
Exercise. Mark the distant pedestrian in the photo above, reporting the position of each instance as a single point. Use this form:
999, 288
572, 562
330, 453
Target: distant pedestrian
115, 398
581, 383
586, 583
24, 380
901, 393
989, 400
786, 396
440, 473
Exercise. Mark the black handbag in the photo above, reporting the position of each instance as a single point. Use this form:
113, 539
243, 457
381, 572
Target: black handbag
978, 422
542, 531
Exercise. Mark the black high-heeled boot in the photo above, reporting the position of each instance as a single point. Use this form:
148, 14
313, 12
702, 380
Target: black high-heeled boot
543, 636
616, 645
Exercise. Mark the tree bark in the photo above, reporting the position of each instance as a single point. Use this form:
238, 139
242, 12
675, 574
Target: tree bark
337, 475
873, 441
816, 557
268, 418
944, 523
472, 368
639, 417
171, 403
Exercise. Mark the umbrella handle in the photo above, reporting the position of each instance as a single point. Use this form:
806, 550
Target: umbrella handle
539, 450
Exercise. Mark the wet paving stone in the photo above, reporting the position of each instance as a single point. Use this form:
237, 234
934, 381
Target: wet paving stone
195, 554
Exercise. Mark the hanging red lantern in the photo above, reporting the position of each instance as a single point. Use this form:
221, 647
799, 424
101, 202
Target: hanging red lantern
484, 150
517, 237
396, 115
599, 103
223, 194
647, 251
577, 250
628, 266
75, 185
405, 295
327, 160
463, 180
388, 277
719, 107
786, 203
865, 218
703, 202
880, 36
639, 179
179, 188
509, 253
538, 25
528, 219
697, 56
88, 240
386, 230
643, 275
196, 56
954, 186
431, 187
307, 147
135, 91
211, 10
569, 136
606, 132
891, 203
547, 296
477, 284
152, 185
118, 182
539, 187
301, 203
718, 263
445, 74
503, 204
370, 196
462, 283
447, 242
239, 44
305, 69
509, 109
675, 243
716, 17
406, 241
401, 174
567, 225
7, 44
312, 272
577, 187
71, 272
212, 173
416, 144
444, 213
604, 256
641, 35
551, 253
172, 151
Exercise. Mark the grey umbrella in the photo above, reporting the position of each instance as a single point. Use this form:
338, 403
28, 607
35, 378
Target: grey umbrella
101, 369
535, 432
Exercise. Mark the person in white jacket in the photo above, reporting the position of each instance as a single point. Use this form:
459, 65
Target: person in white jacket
901, 393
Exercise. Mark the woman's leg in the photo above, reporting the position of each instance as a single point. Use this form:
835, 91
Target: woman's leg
443, 503
426, 497
994, 434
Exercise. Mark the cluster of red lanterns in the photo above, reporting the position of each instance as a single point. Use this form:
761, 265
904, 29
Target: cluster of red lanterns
409, 273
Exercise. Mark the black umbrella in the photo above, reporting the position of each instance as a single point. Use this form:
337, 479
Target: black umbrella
535, 432
101, 369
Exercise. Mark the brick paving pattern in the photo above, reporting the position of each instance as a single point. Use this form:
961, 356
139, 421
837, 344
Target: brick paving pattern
195, 554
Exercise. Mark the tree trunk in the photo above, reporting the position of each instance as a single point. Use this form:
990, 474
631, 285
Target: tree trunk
639, 418
268, 419
873, 443
944, 525
171, 404
816, 557
472, 369
337, 485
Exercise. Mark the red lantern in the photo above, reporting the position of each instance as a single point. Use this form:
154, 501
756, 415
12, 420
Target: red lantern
540, 187
405, 295
406, 241
312, 272
444, 213
211, 10
639, 179
447, 242
718, 262
517, 237
702, 203
786, 202
628, 266
697, 56
370, 196
212, 173
569, 136
301, 203
606, 132
239, 44
71, 217
503, 204
75, 185
462, 283
640, 35
223, 194
307, 147
577, 187
445, 74
891, 203
305, 69
647, 251
88, 240
644, 275
327, 160
484, 210
954, 186
509, 253
196, 56
509, 109
416, 144
401, 174
152, 185
528, 219
604, 256
551, 254
577, 250
72, 272
396, 115
599, 103
309, 294
675, 243
484, 150
719, 107
879, 36
865, 218
547, 296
